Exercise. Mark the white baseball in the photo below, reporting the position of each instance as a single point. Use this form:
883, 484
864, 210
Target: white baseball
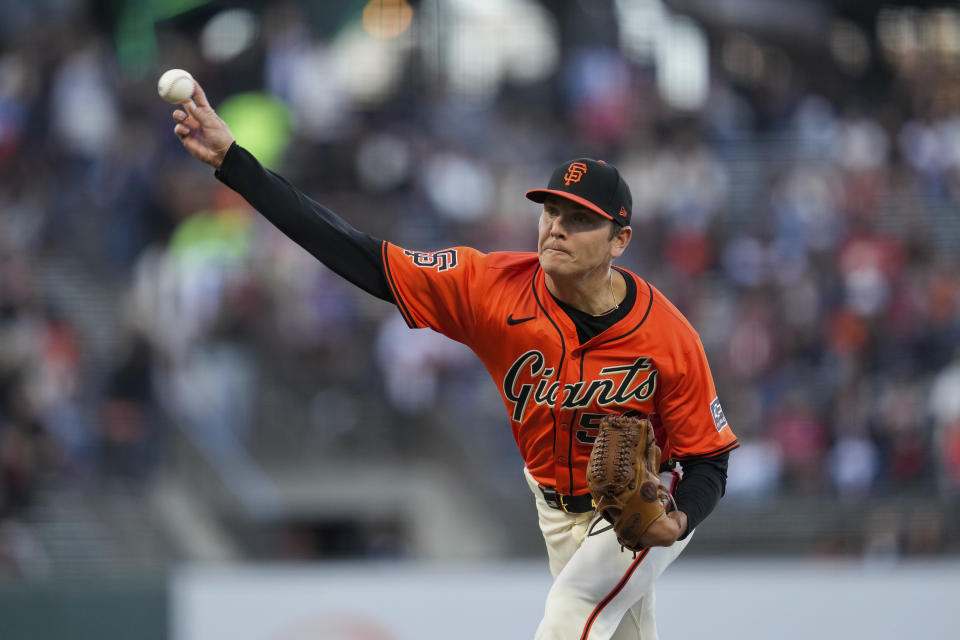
175, 86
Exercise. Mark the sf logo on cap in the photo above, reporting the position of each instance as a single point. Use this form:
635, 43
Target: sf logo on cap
574, 172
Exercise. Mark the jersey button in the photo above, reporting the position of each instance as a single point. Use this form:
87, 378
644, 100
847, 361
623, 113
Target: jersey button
561, 460
575, 355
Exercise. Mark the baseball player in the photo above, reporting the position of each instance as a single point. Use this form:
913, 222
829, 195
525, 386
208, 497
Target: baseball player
567, 337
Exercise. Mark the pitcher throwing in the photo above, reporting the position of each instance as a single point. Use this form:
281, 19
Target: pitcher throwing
569, 340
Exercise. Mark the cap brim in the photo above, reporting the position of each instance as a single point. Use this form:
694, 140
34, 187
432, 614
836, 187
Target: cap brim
539, 195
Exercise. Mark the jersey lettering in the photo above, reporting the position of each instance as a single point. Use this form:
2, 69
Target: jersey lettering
439, 260
604, 392
589, 426
519, 397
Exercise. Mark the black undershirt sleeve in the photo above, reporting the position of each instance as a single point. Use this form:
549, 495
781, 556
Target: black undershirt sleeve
704, 482
348, 252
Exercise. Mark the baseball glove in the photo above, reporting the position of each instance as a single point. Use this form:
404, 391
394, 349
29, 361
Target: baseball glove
623, 477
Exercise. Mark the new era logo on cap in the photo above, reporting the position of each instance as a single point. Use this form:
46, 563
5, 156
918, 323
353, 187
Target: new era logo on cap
594, 184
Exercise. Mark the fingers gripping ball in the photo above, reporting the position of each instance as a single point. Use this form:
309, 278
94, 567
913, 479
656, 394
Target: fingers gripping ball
175, 86
623, 477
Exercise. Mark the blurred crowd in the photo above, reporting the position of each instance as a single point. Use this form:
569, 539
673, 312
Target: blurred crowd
811, 236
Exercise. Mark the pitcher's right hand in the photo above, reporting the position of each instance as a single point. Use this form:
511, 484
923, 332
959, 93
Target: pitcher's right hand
204, 134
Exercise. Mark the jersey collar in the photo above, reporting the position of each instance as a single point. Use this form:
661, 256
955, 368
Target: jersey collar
627, 324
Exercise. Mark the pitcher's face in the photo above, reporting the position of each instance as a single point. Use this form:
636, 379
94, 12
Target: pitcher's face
574, 240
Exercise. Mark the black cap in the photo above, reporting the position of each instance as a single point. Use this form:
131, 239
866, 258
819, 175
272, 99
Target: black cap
592, 183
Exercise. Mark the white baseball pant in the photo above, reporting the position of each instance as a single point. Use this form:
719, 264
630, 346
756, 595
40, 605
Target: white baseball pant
599, 592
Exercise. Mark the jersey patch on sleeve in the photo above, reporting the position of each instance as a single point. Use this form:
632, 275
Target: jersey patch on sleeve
439, 260
719, 420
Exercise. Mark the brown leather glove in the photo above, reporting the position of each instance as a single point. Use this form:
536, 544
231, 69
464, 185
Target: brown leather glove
623, 477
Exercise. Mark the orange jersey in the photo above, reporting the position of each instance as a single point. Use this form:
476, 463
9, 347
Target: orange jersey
555, 389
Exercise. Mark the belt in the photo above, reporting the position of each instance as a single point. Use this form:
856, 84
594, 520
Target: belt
582, 503
570, 504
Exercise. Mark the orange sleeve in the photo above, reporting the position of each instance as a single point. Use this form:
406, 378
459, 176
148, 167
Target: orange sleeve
435, 289
690, 409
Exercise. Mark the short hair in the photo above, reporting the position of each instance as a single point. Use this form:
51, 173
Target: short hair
614, 229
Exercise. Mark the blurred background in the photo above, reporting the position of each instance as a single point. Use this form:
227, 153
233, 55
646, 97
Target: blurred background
181, 386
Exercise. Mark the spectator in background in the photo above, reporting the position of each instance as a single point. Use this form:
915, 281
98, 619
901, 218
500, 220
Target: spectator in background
944, 403
130, 442
814, 240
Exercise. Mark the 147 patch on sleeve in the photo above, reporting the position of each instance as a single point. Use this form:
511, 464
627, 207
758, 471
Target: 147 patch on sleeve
719, 420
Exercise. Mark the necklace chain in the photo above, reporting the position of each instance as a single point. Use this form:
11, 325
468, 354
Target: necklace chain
613, 296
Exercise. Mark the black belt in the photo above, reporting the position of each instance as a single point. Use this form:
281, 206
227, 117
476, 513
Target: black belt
582, 503
570, 504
